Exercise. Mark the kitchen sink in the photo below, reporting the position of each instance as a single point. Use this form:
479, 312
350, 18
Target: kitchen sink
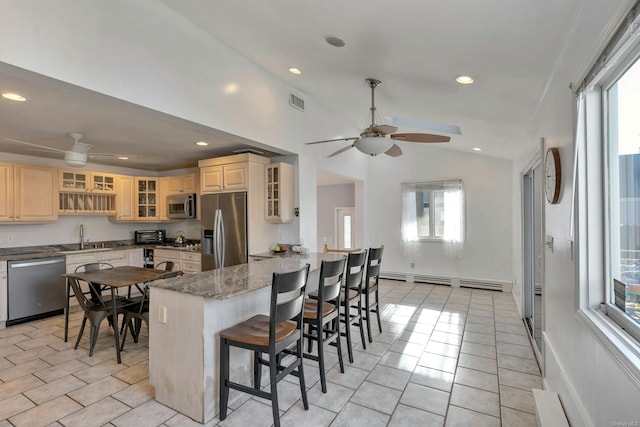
76, 251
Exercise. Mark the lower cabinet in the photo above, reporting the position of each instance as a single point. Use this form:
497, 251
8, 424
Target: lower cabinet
187, 262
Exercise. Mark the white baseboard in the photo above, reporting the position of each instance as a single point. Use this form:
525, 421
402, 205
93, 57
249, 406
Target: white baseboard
455, 282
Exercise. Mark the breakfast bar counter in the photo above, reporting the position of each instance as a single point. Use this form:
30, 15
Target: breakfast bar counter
186, 315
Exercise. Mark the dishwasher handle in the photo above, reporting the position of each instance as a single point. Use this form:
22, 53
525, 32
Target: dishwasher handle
32, 263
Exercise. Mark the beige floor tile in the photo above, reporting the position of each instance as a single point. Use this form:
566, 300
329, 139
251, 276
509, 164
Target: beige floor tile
135, 373
520, 364
478, 349
399, 361
38, 342
406, 416
4, 363
461, 417
46, 413
389, 377
150, 413
136, 394
433, 378
97, 414
333, 400
99, 371
515, 398
54, 389
8, 374
476, 400
480, 327
14, 405
446, 337
515, 350
512, 338
479, 338
358, 416
408, 348
93, 392
519, 379
58, 371
436, 361
314, 416
252, 413
377, 397
514, 418
478, 363
477, 379
29, 355
425, 398
19, 385
510, 328
442, 349
180, 420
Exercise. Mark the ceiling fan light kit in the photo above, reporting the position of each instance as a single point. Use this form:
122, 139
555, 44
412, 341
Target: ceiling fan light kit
373, 140
75, 159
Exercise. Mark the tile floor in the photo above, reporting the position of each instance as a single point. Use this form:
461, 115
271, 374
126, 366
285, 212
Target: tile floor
447, 356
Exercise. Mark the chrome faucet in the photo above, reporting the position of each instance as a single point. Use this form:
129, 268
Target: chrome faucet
81, 236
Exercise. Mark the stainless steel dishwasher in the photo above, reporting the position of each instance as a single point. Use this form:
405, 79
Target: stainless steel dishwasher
36, 288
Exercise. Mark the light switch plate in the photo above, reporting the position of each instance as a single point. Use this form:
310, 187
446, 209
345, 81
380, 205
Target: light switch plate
162, 314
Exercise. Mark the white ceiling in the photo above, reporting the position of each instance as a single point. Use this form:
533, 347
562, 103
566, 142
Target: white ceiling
415, 47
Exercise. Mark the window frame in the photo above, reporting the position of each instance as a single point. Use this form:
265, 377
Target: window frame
432, 187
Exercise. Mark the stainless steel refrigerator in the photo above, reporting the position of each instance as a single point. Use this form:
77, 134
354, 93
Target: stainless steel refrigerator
224, 230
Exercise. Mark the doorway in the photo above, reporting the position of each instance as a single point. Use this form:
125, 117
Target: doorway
345, 226
533, 263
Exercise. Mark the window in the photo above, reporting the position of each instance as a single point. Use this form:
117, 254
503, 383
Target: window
623, 198
433, 211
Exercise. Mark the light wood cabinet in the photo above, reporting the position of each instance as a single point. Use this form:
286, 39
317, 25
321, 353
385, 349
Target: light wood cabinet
6, 191
163, 192
35, 197
221, 178
279, 197
187, 262
125, 198
147, 199
85, 181
182, 184
86, 204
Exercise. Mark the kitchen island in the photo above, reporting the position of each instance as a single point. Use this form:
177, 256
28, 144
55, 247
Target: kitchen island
186, 315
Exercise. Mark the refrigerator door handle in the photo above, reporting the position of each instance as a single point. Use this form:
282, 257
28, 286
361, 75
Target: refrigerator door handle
216, 248
222, 240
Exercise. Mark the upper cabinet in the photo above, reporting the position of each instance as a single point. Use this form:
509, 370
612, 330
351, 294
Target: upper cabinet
187, 183
147, 199
230, 173
279, 197
29, 193
84, 181
125, 199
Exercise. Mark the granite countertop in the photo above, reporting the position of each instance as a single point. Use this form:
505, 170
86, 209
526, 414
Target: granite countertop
227, 282
44, 251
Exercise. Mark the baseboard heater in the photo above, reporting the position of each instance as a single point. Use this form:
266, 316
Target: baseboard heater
493, 285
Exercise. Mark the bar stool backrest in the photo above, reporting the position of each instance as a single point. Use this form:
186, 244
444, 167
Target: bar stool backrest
355, 270
331, 274
373, 268
287, 299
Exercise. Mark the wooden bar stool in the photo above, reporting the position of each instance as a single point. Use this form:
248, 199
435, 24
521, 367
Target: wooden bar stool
371, 287
322, 315
273, 334
352, 298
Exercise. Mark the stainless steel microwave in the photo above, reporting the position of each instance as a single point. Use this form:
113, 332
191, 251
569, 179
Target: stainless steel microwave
181, 205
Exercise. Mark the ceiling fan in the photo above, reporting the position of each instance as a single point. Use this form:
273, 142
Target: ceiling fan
78, 154
373, 140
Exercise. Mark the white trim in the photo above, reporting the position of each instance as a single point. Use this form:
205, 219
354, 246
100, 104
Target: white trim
572, 404
615, 340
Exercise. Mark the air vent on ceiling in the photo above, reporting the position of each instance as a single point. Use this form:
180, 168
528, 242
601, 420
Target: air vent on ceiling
296, 102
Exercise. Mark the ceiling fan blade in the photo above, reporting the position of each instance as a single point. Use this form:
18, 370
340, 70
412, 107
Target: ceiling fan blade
332, 140
420, 137
111, 155
340, 151
384, 129
394, 151
48, 149
436, 127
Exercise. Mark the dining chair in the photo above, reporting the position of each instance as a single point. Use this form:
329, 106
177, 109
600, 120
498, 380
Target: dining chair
372, 276
322, 316
274, 335
164, 265
352, 298
138, 309
94, 311
90, 290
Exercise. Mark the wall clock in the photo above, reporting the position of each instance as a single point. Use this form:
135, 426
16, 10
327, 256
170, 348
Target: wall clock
553, 174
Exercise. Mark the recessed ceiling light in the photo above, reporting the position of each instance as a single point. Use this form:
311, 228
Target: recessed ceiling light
464, 80
202, 143
14, 96
295, 71
335, 41
476, 149
123, 158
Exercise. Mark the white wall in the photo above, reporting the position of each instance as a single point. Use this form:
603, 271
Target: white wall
486, 251
593, 387
331, 197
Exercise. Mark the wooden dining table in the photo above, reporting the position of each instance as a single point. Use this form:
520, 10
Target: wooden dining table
113, 279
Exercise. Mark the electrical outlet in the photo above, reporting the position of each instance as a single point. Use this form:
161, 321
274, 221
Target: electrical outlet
10, 237
162, 314
413, 265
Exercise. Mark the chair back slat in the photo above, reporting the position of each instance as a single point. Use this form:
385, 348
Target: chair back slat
84, 302
373, 267
94, 290
355, 269
165, 265
287, 297
330, 283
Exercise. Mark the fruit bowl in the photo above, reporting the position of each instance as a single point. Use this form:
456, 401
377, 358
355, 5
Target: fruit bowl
279, 250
